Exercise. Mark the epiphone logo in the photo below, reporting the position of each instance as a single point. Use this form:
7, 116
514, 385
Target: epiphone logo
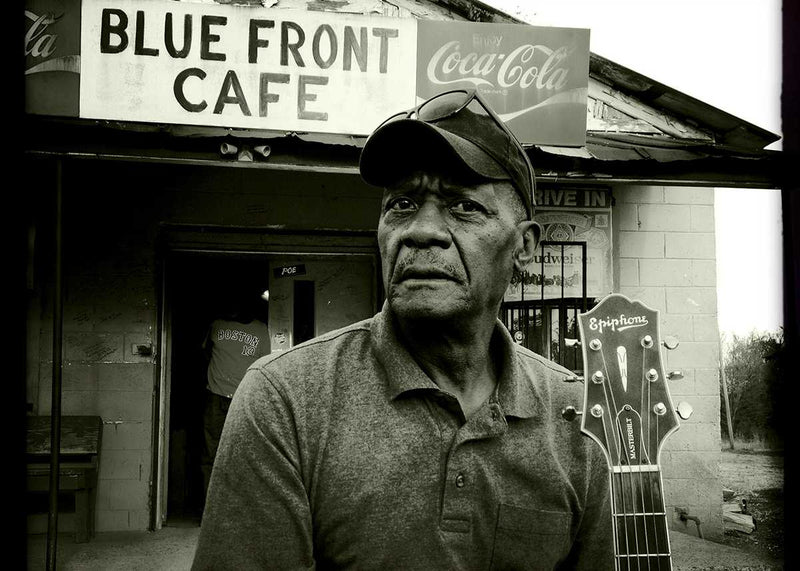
519, 67
620, 323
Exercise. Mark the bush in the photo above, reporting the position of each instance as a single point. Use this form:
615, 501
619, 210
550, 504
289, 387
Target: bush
754, 369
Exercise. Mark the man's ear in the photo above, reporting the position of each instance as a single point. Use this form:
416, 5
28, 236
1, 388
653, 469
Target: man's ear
531, 232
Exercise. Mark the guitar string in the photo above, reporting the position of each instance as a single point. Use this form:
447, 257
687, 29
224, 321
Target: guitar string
615, 523
614, 526
644, 415
632, 487
655, 483
617, 443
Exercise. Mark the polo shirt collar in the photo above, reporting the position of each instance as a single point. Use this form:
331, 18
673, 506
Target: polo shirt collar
515, 391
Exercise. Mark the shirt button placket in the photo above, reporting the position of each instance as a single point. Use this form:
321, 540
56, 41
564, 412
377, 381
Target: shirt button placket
461, 481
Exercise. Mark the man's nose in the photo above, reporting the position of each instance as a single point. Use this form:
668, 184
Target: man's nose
427, 227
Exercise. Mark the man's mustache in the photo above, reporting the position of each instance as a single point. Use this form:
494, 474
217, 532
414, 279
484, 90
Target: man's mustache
426, 264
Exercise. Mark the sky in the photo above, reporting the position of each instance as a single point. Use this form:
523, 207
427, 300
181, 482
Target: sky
726, 53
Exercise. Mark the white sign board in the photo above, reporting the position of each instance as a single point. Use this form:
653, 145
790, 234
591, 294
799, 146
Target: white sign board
245, 67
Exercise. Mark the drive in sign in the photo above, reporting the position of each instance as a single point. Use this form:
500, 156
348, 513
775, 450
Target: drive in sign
535, 78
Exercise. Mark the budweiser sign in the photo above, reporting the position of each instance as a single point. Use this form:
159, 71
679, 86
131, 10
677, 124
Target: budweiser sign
535, 78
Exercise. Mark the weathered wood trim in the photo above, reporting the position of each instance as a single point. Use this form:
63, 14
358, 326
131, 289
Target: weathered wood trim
638, 110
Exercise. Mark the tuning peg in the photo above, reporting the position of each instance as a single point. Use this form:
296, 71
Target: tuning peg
573, 379
670, 342
684, 410
571, 342
570, 413
675, 375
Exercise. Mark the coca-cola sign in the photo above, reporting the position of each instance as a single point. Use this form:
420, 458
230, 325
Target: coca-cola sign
535, 78
52, 56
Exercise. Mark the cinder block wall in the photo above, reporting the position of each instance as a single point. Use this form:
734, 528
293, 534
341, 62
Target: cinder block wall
666, 258
112, 213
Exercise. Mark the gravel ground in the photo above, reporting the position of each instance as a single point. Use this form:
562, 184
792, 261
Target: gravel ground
757, 477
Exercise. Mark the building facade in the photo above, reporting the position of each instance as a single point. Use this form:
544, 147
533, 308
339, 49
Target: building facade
162, 223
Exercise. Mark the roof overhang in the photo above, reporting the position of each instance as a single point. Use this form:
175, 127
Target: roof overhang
606, 158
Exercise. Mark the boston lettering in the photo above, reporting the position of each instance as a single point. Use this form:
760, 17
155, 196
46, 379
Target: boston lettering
298, 48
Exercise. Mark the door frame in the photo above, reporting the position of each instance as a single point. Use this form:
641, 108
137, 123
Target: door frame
177, 239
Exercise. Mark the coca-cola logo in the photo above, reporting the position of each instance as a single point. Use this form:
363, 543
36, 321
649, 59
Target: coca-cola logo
41, 43
38, 43
526, 66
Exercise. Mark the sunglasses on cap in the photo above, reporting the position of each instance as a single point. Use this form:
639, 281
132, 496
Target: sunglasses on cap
464, 113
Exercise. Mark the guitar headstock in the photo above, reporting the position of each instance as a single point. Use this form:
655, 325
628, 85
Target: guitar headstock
627, 405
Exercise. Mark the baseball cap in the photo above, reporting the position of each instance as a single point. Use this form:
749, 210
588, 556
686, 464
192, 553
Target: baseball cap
455, 129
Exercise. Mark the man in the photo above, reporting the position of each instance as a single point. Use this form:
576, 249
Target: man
232, 343
423, 438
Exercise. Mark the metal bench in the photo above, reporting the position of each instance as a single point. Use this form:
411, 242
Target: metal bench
79, 461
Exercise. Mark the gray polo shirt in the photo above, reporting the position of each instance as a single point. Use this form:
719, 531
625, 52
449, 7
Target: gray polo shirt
342, 454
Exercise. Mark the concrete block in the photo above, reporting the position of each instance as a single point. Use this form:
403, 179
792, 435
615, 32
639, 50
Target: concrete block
124, 319
693, 245
139, 520
641, 244
694, 300
687, 491
693, 354
625, 217
706, 409
698, 437
707, 381
78, 402
652, 297
628, 272
121, 464
126, 376
704, 272
125, 405
109, 405
689, 465
688, 195
682, 388
122, 494
93, 347
112, 520
702, 219
78, 317
126, 435
638, 194
664, 218
677, 325
132, 348
664, 272
705, 328
75, 376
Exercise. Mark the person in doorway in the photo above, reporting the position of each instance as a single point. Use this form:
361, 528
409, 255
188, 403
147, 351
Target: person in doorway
233, 342
424, 437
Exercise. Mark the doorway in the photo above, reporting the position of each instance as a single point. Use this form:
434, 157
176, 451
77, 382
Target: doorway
298, 295
200, 288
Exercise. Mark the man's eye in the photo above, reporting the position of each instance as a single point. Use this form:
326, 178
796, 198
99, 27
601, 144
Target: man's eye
400, 204
467, 206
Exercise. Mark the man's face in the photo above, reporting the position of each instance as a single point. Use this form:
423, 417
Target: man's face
447, 249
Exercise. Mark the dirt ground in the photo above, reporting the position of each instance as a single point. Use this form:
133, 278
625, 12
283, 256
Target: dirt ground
757, 477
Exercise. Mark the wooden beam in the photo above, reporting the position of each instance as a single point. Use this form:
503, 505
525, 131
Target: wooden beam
630, 106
